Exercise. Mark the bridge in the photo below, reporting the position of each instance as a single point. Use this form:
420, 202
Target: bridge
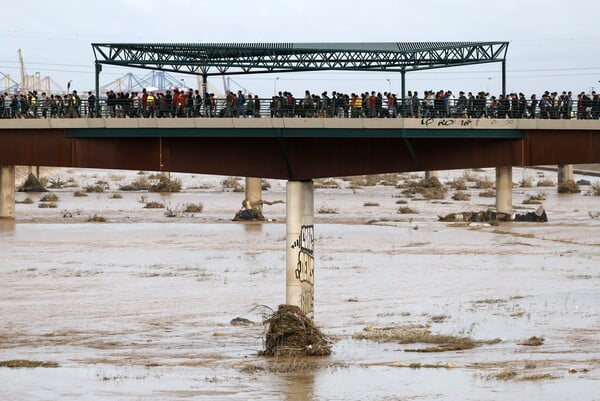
297, 150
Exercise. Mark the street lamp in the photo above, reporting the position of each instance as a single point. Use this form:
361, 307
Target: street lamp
275, 86
389, 85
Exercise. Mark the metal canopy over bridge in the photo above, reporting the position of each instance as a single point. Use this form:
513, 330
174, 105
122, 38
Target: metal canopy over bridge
255, 58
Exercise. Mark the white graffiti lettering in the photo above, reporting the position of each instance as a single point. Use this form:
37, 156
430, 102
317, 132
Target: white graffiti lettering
306, 302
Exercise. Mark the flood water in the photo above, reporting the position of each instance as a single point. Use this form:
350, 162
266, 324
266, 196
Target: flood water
139, 307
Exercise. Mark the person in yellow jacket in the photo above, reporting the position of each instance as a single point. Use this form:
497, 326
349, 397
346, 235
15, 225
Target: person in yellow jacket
151, 104
356, 104
74, 103
33, 106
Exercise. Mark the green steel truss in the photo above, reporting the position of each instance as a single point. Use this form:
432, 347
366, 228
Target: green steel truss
253, 58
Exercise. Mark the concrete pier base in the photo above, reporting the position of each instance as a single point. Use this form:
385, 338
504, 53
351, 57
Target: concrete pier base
565, 173
504, 189
7, 192
300, 262
252, 204
253, 198
431, 173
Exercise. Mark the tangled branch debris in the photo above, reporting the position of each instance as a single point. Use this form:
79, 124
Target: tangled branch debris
569, 187
430, 188
32, 184
539, 215
416, 334
165, 184
23, 363
291, 333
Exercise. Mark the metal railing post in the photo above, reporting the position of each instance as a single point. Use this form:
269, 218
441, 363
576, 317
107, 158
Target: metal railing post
504, 78
403, 88
98, 70
204, 94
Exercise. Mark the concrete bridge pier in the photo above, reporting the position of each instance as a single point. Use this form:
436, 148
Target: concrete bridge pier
431, 173
300, 239
253, 199
504, 189
252, 204
7, 192
565, 174
36, 172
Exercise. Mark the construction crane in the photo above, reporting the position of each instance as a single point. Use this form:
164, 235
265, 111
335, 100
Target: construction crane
159, 80
35, 82
227, 85
22, 65
209, 87
9, 85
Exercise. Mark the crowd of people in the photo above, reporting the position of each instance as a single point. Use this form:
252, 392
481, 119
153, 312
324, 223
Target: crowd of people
191, 103
441, 104
32, 105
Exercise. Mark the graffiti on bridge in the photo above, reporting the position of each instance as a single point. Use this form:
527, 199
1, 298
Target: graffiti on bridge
445, 122
463, 122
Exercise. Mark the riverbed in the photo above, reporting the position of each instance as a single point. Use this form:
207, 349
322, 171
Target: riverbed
139, 306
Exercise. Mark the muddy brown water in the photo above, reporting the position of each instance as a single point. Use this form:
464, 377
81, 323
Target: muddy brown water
139, 307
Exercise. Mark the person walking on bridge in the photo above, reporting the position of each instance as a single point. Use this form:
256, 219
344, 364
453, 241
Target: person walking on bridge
91, 101
532, 105
229, 104
15, 107
256, 109
356, 104
2, 106
150, 104
415, 104
241, 101
73, 104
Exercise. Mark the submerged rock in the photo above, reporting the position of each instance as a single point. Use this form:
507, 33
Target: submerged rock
241, 321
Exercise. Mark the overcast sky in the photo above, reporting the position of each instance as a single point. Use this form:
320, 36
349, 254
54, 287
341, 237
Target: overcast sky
554, 44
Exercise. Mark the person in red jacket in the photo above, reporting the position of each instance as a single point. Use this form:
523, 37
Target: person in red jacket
144, 102
175, 102
181, 104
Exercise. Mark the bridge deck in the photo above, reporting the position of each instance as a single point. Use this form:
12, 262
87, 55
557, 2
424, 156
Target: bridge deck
341, 127
297, 148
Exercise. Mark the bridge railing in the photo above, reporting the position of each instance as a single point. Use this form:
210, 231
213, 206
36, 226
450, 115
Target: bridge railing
278, 108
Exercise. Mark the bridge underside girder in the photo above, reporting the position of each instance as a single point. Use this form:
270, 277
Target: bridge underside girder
295, 158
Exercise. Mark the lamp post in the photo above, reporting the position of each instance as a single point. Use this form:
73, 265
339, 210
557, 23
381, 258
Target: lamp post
389, 85
275, 86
